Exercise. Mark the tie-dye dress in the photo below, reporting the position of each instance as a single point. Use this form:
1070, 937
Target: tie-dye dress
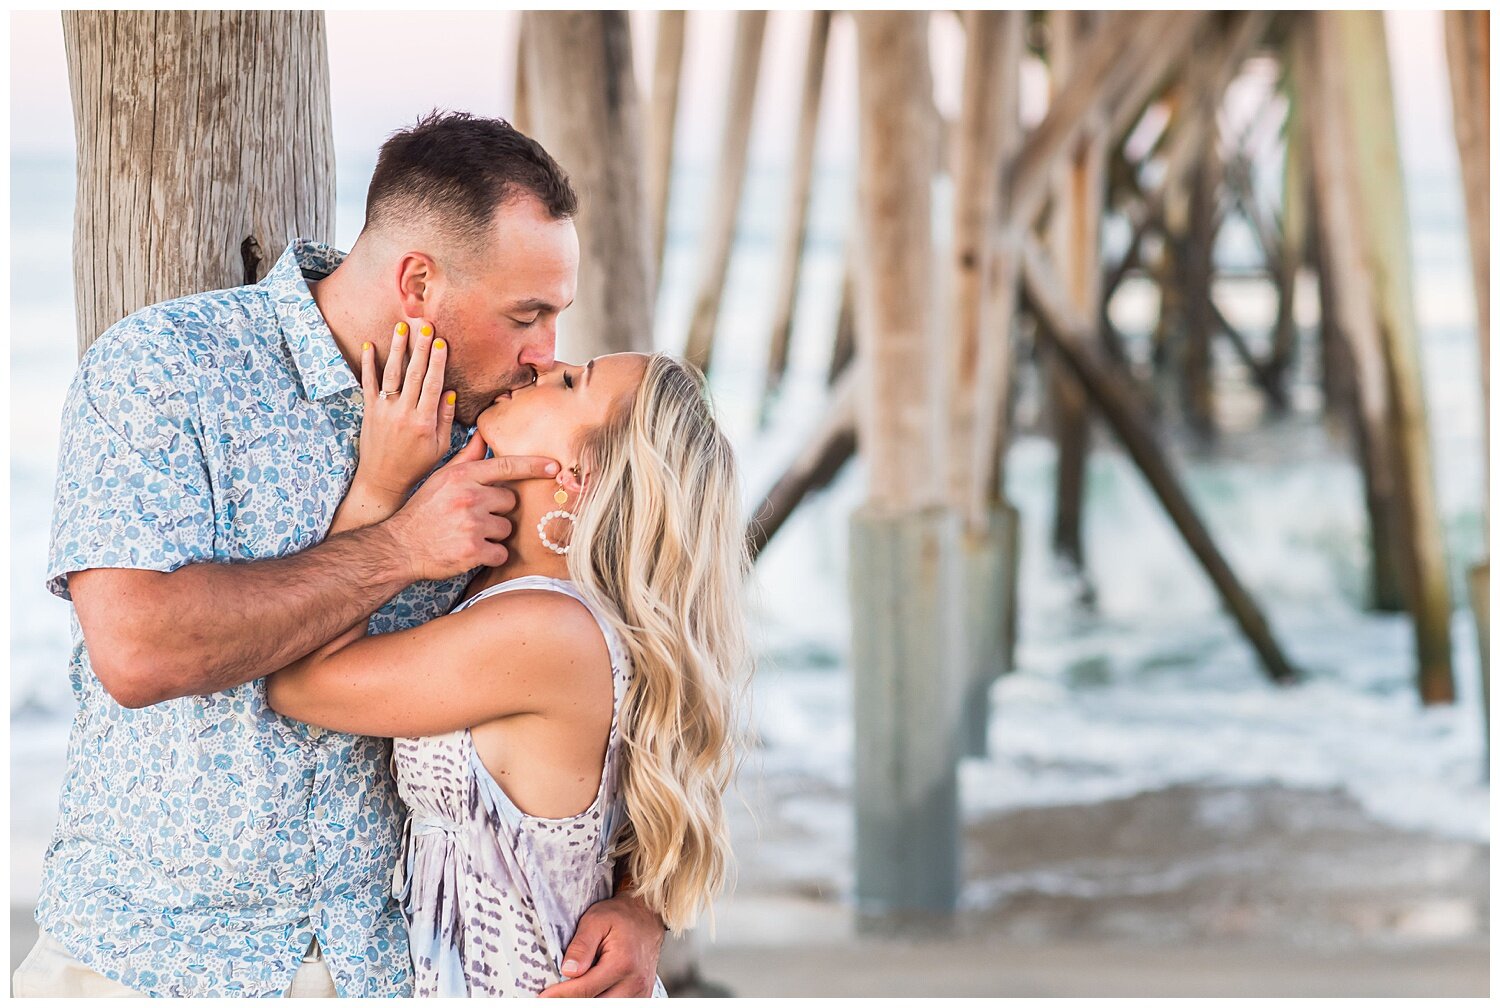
492, 895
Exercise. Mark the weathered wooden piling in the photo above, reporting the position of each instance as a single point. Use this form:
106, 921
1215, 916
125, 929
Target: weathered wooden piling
521, 116
1348, 297
843, 325
1468, 45
666, 83
1077, 186
1195, 277
1294, 214
903, 561
794, 233
978, 352
174, 195
582, 86
1363, 63
730, 183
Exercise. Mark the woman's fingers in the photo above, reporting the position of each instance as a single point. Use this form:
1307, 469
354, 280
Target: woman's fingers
396, 359
367, 371
432, 382
445, 420
416, 368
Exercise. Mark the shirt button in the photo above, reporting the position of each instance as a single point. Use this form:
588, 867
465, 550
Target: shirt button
314, 732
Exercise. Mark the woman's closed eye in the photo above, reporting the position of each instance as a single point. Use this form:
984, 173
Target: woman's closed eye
567, 380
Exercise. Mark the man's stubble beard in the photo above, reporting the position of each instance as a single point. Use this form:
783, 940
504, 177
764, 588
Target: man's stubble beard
470, 402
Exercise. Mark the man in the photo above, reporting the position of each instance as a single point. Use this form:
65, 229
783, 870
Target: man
205, 845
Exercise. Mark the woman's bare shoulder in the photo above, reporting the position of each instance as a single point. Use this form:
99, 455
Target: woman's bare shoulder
549, 632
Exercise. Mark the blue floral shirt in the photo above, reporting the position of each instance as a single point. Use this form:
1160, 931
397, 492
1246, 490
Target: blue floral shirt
203, 841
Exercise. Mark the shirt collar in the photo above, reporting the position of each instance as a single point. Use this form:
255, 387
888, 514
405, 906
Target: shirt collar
320, 366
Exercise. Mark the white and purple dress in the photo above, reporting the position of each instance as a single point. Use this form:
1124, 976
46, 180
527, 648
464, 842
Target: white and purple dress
492, 895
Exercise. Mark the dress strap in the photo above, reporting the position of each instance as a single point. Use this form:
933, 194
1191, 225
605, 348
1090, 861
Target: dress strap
531, 581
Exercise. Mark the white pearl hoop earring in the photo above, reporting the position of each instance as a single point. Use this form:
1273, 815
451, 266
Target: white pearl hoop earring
541, 530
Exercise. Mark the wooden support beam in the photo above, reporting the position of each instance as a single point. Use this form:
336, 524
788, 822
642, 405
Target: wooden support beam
1347, 288
897, 163
987, 131
1293, 249
843, 327
744, 71
178, 193
1195, 263
822, 455
521, 116
1069, 332
1362, 59
1072, 229
1184, 385
1238, 177
1468, 44
1259, 373
582, 85
1210, 79
1113, 56
995, 351
904, 567
1163, 65
666, 81
794, 234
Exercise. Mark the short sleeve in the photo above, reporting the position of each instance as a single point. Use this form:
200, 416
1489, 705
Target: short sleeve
133, 487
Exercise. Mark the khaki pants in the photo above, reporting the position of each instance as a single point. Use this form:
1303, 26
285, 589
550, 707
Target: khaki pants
49, 970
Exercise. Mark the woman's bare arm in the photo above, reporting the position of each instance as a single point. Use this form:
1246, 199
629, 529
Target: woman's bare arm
521, 652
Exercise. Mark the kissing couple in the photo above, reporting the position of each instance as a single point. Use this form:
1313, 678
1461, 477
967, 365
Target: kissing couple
368, 704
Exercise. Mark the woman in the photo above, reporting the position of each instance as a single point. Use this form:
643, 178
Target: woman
576, 706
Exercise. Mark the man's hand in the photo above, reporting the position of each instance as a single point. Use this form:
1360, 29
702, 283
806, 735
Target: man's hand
456, 520
613, 953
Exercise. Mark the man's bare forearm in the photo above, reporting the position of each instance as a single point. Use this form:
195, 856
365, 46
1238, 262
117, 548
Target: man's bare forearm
208, 627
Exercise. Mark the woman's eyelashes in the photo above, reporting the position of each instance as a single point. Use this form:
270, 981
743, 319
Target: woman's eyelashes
567, 380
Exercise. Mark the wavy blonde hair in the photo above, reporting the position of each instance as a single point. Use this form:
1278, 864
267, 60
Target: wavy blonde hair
658, 546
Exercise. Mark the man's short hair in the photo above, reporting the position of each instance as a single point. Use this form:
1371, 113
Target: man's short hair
456, 170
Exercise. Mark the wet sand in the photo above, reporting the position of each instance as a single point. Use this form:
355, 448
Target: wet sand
1188, 891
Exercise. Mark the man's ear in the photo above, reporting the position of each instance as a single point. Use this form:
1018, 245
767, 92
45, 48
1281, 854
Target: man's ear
415, 276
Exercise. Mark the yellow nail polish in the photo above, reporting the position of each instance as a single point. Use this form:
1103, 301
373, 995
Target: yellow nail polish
426, 329
402, 328
439, 345
364, 346
452, 398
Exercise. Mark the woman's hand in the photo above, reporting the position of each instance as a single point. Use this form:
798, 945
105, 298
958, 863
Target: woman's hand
408, 423
405, 434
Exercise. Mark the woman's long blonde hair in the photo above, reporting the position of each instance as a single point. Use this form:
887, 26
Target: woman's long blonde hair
658, 546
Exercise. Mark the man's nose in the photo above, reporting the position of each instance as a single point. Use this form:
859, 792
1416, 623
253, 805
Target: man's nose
541, 353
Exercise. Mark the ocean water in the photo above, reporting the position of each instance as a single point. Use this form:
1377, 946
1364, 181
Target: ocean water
1153, 687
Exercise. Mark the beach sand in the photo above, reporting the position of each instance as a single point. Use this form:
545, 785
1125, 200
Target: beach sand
1191, 890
